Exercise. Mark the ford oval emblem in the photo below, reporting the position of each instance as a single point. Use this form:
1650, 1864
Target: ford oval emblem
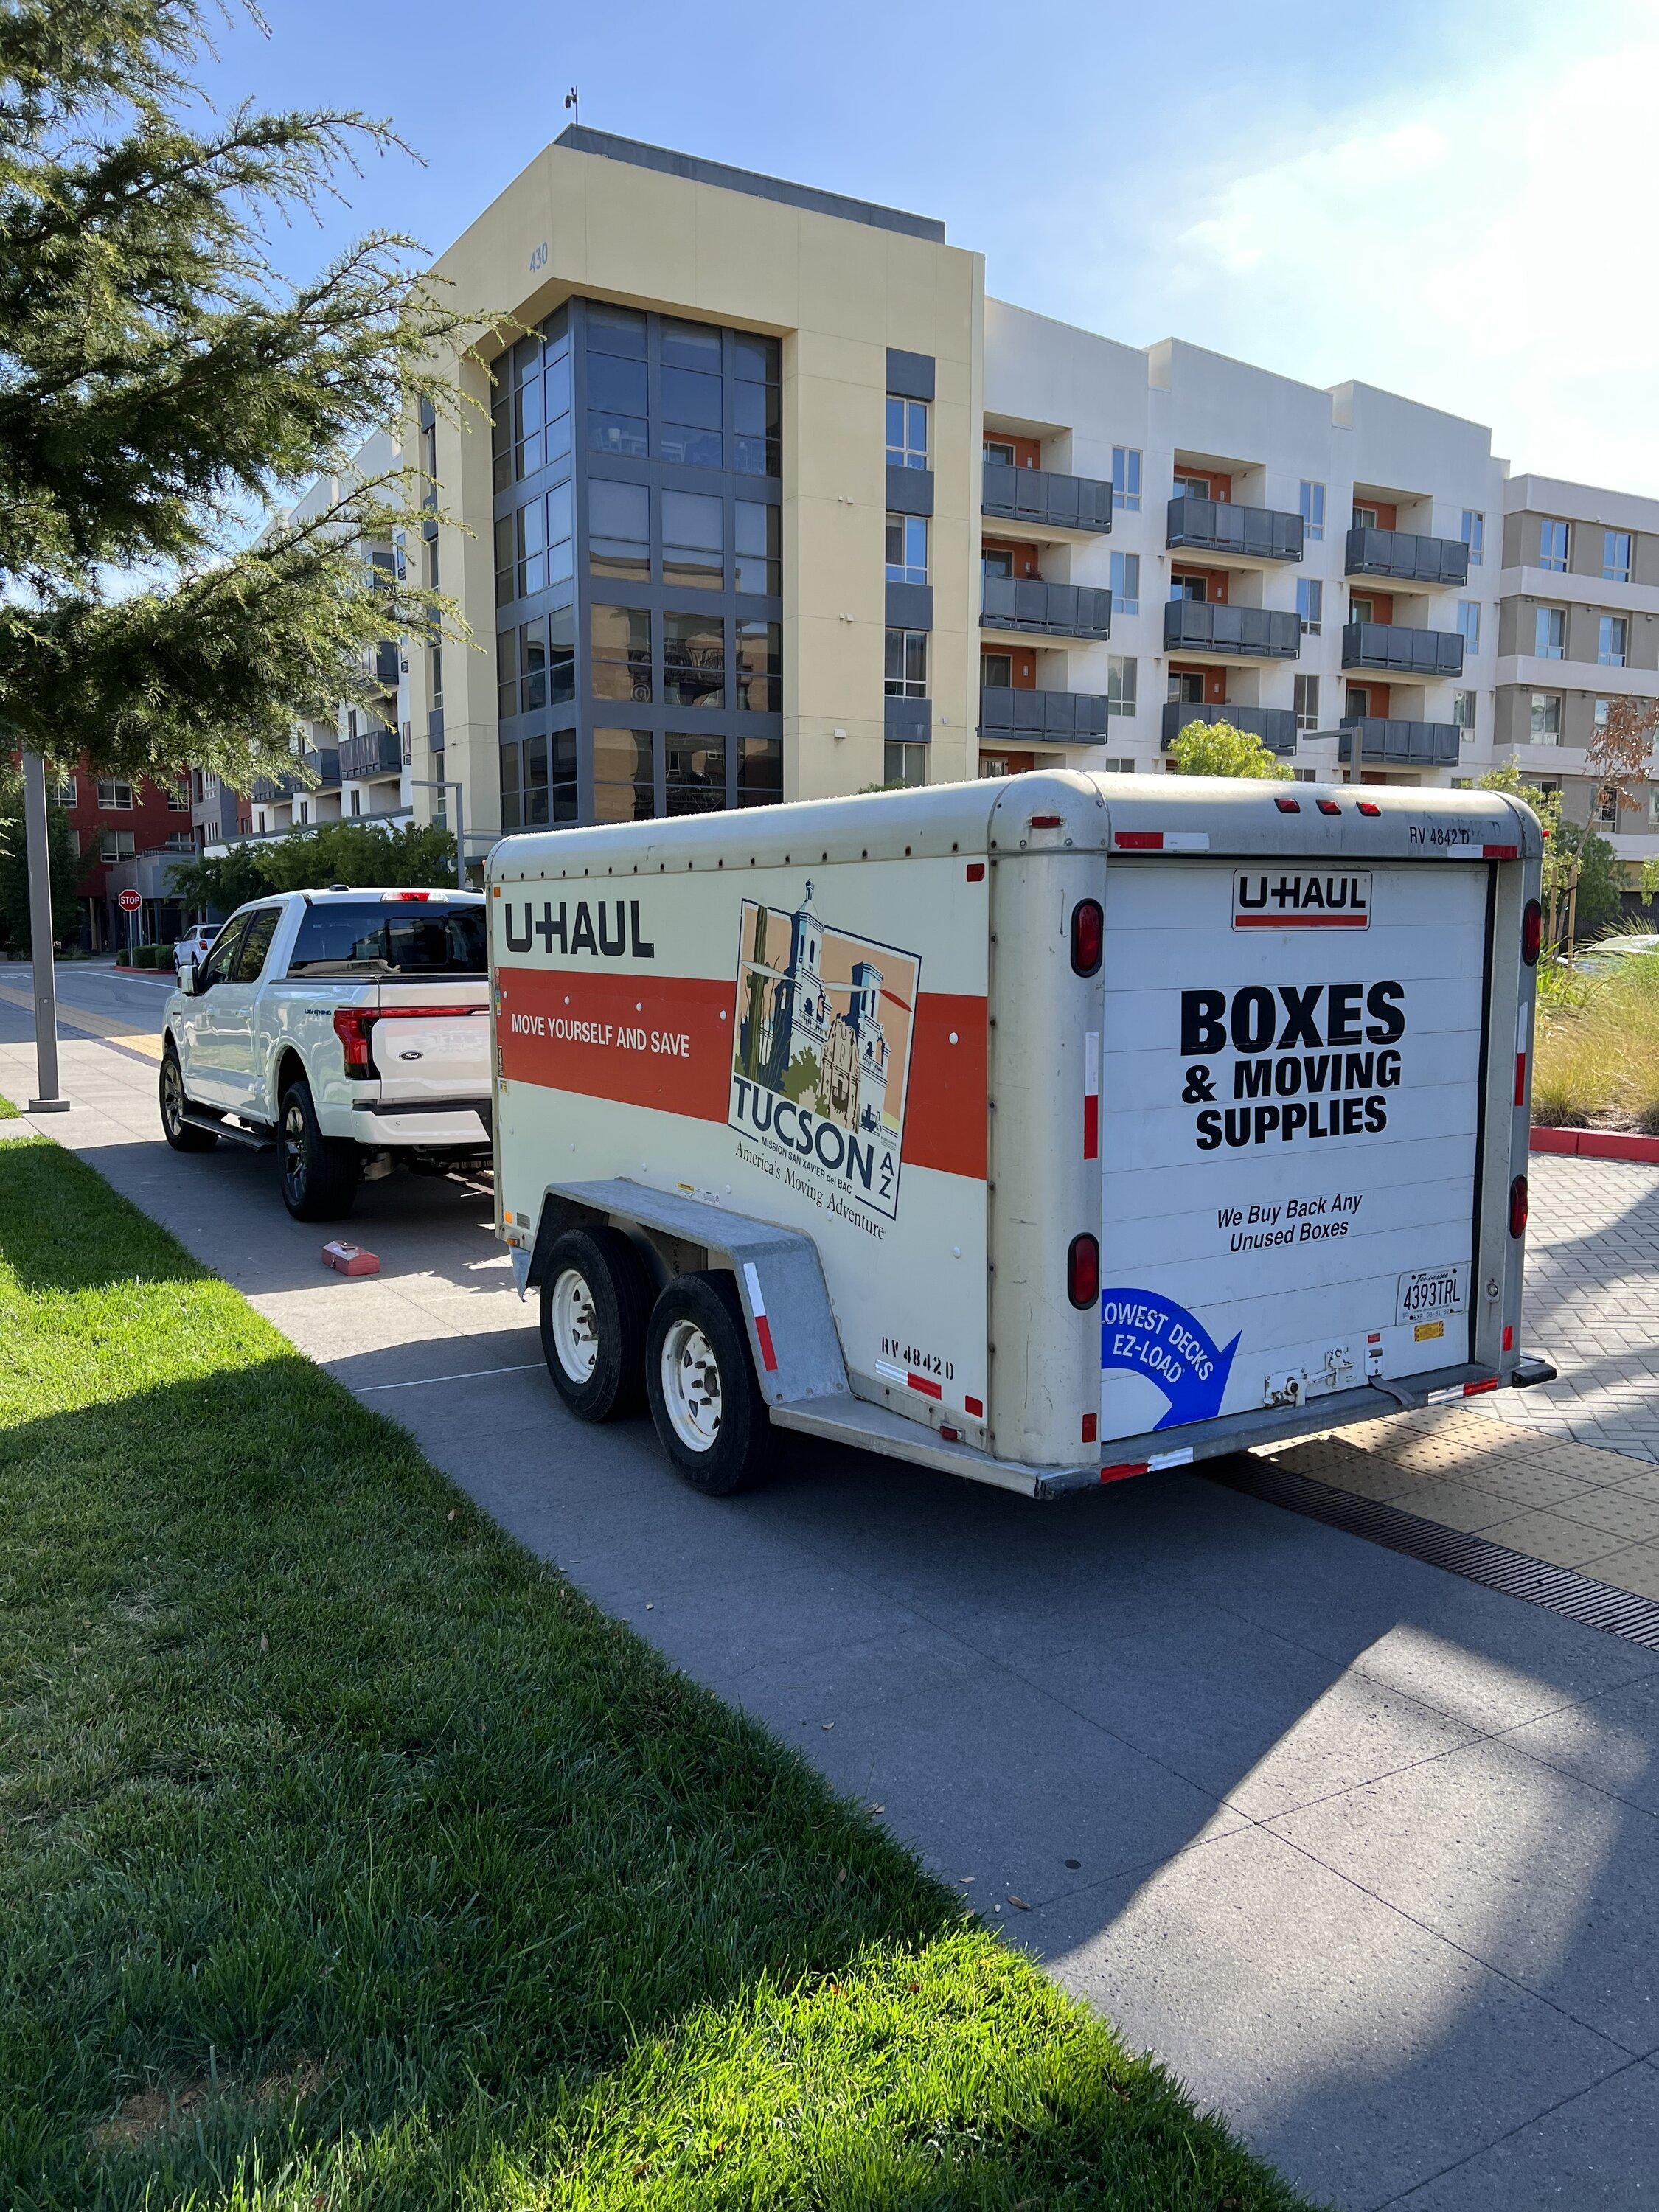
408, 1055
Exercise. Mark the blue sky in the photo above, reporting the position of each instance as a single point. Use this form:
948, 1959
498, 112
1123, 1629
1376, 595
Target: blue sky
1446, 198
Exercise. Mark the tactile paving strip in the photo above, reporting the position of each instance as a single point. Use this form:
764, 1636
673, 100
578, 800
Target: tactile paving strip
1477, 1558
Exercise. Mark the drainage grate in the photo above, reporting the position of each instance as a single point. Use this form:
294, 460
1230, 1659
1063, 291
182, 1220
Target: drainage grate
1477, 1558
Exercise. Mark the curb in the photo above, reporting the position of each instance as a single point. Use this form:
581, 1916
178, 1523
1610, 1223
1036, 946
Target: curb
155, 975
1596, 1144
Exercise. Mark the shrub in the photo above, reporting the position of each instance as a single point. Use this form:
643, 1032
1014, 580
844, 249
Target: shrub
1596, 1062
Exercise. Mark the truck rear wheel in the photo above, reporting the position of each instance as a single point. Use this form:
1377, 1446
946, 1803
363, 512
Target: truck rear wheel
595, 1300
710, 1416
320, 1174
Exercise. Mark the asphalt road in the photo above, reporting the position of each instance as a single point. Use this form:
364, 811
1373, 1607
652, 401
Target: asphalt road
1368, 1854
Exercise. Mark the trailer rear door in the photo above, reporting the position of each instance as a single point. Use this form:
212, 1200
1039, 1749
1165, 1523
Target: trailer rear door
1290, 1114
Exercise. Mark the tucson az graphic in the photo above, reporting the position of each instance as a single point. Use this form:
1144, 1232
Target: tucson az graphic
822, 1052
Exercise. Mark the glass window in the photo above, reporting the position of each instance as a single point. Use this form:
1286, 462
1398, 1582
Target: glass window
760, 665
1463, 712
1125, 583
691, 345
559, 531
907, 432
507, 673
616, 329
177, 798
1188, 487
624, 782
512, 773
1616, 557
1468, 624
1475, 535
1122, 677
694, 660
907, 549
904, 764
1313, 511
114, 791
694, 539
1612, 633
1186, 686
561, 655
556, 408
1550, 634
62, 793
759, 771
694, 774
996, 671
758, 530
250, 959
1310, 604
433, 938
222, 959
999, 453
115, 845
906, 676
755, 361
1546, 728
1607, 807
621, 640
1125, 478
562, 792
434, 674
756, 406
1307, 703
618, 529
1600, 713
691, 408
995, 561
522, 552
1364, 517
1553, 545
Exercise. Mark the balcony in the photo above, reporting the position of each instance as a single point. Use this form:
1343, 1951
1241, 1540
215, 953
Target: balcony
325, 765
1218, 525
1372, 741
1403, 558
1275, 726
1394, 650
383, 665
1043, 500
1240, 633
272, 790
1008, 715
376, 752
1032, 608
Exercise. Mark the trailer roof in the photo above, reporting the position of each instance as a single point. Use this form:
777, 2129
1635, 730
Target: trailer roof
1044, 809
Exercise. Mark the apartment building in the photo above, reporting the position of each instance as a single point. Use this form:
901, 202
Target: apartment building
765, 500
129, 832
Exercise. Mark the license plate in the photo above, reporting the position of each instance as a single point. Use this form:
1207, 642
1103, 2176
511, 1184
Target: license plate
1432, 1293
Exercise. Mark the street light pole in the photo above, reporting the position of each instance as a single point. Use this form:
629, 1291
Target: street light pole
434, 783
40, 948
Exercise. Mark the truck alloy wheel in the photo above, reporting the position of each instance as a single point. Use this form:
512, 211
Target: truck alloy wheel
594, 1299
182, 1135
319, 1173
710, 1416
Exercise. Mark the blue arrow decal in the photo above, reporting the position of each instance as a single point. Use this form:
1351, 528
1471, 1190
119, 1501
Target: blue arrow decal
1151, 1335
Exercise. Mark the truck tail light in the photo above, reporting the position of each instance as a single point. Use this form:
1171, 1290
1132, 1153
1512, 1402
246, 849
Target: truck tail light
1518, 1206
1088, 936
1082, 1271
352, 1025
1532, 932
419, 897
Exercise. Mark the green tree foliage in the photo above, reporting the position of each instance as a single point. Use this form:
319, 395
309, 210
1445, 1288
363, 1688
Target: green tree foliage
67, 869
412, 857
1546, 805
1218, 749
163, 394
1600, 904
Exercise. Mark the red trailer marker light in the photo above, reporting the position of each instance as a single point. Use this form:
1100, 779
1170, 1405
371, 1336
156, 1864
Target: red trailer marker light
1288, 806
1122, 1473
1368, 806
1476, 1389
1045, 821
1088, 937
1501, 852
1139, 841
1091, 1428
951, 1436
1082, 1271
1509, 1337
1518, 1206
975, 1406
1327, 806
1532, 932
976, 871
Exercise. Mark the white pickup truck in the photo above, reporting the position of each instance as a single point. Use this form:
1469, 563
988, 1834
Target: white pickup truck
349, 1027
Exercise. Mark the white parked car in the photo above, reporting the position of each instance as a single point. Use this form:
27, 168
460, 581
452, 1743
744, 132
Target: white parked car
194, 945
349, 1027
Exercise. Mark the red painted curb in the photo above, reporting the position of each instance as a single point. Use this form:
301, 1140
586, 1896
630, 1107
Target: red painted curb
1596, 1144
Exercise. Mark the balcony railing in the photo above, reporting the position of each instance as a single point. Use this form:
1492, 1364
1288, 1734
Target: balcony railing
269, 790
1275, 726
374, 752
384, 664
1024, 603
1044, 495
1404, 558
1373, 741
1206, 626
1400, 650
325, 765
1219, 525
1008, 714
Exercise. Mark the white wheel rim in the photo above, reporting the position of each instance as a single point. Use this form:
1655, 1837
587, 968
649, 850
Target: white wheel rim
575, 1325
691, 1386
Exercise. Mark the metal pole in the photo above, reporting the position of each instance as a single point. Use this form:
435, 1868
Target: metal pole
40, 948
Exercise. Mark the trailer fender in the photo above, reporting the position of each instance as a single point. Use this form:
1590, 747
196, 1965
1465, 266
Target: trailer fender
780, 1281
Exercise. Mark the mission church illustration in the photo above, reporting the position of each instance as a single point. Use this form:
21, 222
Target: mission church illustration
814, 1014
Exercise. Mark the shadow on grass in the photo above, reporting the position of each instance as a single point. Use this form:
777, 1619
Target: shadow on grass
316, 1778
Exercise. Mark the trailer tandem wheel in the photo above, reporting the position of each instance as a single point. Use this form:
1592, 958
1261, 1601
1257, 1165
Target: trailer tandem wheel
595, 1302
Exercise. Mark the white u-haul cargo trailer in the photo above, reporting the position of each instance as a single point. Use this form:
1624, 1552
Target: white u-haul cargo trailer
1045, 1130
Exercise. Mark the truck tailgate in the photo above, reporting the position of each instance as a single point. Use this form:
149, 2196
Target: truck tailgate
1291, 1105
431, 1041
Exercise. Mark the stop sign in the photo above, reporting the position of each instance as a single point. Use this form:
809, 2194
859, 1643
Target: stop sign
129, 901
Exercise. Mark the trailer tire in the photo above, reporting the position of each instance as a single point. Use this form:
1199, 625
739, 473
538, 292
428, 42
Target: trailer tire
594, 1303
710, 1416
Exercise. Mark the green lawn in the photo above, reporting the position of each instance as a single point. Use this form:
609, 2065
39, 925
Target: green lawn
350, 1858
8, 1111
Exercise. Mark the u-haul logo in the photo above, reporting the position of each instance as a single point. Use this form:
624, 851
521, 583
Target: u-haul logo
1281, 898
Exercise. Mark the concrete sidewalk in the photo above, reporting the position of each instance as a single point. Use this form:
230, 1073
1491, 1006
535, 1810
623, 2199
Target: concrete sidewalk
1370, 1855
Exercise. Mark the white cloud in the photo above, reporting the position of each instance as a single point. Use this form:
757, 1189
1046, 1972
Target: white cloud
1490, 252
